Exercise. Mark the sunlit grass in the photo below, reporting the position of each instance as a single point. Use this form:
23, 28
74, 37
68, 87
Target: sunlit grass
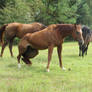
35, 78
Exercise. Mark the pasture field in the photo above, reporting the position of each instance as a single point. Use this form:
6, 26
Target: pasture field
35, 78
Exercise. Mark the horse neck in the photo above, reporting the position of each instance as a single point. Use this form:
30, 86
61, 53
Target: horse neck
66, 31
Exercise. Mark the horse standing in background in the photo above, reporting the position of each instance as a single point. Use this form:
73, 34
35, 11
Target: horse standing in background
86, 33
12, 30
88, 39
48, 38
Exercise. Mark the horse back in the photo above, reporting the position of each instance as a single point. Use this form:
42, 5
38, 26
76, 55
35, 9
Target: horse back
29, 28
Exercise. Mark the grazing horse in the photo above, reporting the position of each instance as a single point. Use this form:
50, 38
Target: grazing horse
12, 30
48, 38
86, 33
88, 39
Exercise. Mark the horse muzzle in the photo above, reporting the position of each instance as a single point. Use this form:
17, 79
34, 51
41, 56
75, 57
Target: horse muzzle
81, 42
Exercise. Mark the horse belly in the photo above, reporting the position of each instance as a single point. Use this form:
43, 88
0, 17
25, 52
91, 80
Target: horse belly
41, 40
39, 44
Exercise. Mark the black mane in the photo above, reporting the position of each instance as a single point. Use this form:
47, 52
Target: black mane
85, 31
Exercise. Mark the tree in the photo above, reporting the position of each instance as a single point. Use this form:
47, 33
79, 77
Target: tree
83, 12
2, 3
18, 11
67, 11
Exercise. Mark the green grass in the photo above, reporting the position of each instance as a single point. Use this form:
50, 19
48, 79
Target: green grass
35, 78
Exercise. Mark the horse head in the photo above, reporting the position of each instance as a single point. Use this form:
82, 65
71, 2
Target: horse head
77, 34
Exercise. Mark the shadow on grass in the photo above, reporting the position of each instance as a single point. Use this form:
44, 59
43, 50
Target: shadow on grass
24, 67
12, 65
72, 56
35, 68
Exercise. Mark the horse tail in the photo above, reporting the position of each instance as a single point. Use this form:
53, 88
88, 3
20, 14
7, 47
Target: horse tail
2, 29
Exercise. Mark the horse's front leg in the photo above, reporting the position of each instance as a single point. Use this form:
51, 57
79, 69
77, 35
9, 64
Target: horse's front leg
80, 50
50, 50
18, 58
59, 50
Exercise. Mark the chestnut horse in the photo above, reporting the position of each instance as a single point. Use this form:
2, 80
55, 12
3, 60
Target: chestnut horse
13, 30
50, 37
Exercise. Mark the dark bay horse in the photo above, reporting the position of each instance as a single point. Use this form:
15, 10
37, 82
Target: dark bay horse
86, 33
12, 30
48, 38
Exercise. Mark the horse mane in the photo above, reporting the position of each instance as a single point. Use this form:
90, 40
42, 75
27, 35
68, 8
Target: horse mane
85, 28
86, 31
63, 27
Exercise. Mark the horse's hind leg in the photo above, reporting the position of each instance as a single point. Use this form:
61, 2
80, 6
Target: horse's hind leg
3, 47
10, 47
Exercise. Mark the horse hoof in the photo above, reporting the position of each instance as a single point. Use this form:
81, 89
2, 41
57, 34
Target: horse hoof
63, 68
19, 66
47, 70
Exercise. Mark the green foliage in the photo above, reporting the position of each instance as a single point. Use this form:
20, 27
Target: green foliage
16, 41
18, 11
2, 3
48, 12
83, 12
67, 13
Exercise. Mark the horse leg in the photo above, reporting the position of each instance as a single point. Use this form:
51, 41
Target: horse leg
79, 51
10, 47
3, 47
59, 49
86, 49
50, 50
26, 61
18, 58
21, 48
29, 62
